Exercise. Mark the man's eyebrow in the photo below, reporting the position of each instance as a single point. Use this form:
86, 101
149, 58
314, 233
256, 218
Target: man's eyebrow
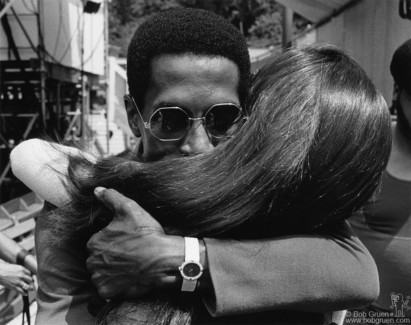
166, 104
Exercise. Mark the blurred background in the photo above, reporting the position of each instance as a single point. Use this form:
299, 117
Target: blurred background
62, 62
62, 71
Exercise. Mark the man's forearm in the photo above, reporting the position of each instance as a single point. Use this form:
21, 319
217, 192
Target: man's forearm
324, 272
204, 282
176, 244
307, 273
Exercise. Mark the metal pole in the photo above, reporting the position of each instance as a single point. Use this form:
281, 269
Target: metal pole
58, 106
83, 87
42, 64
106, 71
287, 27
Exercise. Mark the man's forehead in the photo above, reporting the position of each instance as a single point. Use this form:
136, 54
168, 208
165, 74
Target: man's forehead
198, 70
184, 82
200, 60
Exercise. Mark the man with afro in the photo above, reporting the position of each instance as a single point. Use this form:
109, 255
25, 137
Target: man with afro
187, 69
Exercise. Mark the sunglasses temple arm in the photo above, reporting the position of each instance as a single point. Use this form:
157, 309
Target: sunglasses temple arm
146, 124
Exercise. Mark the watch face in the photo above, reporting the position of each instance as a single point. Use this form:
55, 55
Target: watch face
191, 270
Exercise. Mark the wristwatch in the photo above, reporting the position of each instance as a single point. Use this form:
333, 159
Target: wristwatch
191, 270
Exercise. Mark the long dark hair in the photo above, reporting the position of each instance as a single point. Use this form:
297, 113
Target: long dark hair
311, 153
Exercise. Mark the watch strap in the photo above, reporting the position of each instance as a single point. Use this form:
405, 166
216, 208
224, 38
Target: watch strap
192, 249
192, 255
189, 285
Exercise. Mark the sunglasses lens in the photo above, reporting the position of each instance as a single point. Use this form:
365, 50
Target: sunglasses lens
221, 118
169, 123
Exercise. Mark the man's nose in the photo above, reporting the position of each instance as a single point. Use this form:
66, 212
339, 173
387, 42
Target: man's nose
197, 140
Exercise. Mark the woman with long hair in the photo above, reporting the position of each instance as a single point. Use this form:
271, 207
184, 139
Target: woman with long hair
311, 153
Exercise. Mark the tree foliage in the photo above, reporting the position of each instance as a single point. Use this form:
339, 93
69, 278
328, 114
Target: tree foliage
126, 15
259, 20
267, 29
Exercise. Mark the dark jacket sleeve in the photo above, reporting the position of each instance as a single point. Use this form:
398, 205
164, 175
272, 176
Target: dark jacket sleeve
317, 273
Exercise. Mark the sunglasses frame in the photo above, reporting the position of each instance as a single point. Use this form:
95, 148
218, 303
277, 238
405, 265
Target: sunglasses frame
147, 125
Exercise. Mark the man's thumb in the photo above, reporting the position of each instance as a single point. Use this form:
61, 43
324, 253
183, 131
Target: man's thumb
110, 198
124, 207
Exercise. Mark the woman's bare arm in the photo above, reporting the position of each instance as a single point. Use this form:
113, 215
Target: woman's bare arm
42, 167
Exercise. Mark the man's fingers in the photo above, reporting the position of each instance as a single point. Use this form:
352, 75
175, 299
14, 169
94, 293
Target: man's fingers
126, 208
116, 201
137, 290
111, 199
106, 289
169, 282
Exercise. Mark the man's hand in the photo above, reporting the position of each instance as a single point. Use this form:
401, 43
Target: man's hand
132, 255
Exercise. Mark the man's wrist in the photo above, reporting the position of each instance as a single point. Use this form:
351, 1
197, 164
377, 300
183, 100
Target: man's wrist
174, 256
173, 252
204, 282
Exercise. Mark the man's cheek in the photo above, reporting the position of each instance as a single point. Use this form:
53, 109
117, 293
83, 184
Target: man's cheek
162, 150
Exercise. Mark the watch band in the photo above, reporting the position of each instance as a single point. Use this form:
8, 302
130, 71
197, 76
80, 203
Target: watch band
192, 249
189, 285
192, 256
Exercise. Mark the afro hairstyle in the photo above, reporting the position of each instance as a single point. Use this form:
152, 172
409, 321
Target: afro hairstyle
181, 31
401, 66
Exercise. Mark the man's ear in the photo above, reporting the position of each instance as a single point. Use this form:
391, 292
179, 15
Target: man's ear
133, 117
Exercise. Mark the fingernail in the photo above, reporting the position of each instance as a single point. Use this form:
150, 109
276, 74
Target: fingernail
98, 190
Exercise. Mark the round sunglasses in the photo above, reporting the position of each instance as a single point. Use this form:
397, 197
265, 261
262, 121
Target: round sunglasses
173, 123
